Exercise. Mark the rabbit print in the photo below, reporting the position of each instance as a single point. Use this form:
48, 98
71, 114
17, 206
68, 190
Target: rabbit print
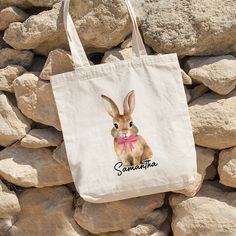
130, 147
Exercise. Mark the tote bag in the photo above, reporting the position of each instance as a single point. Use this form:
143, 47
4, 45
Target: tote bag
126, 125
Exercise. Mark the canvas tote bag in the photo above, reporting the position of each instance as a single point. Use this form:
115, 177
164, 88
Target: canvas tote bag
126, 125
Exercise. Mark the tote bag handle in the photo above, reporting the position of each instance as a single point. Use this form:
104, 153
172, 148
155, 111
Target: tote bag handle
76, 47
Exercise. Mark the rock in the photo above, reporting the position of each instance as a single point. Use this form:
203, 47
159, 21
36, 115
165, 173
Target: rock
142, 230
117, 54
211, 172
227, 167
13, 125
2, 42
186, 79
211, 212
8, 75
46, 211
35, 99
115, 216
205, 157
28, 167
198, 91
156, 218
58, 61
217, 73
127, 43
11, 14
59, 154
213, 120
38, 138
11, 56
9, 205
6, 224
184, 27
28, 3
96, 22
187, 93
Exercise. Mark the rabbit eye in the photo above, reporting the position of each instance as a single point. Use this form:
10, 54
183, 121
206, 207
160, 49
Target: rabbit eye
130, 123
116, 126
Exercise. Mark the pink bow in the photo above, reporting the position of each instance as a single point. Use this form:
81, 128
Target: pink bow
130, 140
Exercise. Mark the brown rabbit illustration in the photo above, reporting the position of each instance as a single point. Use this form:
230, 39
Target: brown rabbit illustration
130, 147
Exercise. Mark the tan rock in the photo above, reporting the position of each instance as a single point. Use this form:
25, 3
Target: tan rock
8, 75
46, 211
13, 125
117, 54
127, 43
28, 167
6, 224
217, 73
58, 61
28, 3
11, 56
97, 21
9, 204
142, 230
59, 154
35, 99
115, 216
11, 14
205, 157
211, 212
188, 30
227, 167
213, 120
38, 138
198, 91
186, 79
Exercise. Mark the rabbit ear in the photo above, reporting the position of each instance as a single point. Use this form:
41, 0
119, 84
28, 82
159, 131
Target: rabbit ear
110, 106
129, 103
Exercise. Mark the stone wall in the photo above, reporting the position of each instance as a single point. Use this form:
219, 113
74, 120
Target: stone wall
37, 195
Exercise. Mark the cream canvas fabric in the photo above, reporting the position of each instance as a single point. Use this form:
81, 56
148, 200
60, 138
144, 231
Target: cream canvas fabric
126, 125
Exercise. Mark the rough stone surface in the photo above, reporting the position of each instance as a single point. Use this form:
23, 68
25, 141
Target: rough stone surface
142, 230
58, 61
127, 43
214, 121
9, 204
35, 99
198, 91
32, 167
186, 79
6, 224
211, 212
13, 125
11, 56
8, 75
205, 157
59, 154
28, 3
11, 14
184, 27
96, 21
38, 138
46, 211
217, 73
227, 167
117, 54
115, 216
